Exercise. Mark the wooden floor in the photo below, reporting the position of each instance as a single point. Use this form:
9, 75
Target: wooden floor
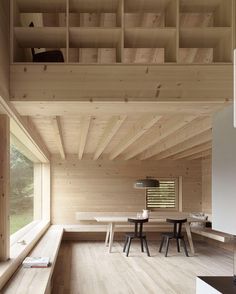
85, 267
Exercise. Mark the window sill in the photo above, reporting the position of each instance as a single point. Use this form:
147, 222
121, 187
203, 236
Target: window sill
22, 243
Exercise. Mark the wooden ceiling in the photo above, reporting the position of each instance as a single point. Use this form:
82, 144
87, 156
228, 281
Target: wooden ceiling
149, 96
126, 137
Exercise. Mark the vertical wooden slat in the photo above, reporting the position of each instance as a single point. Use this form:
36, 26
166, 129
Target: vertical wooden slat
4, 186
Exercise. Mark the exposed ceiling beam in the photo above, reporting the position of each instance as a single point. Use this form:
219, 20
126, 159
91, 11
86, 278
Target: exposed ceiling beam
164, 128
111, 129
84, 129
199, 155
74, 108
196, 127
193, 151
183, 146
135, 133
58, 135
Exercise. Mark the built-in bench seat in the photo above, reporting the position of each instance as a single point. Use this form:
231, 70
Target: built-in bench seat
37, 280
212, 234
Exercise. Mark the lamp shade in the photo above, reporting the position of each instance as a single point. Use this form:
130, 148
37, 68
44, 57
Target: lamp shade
146, 183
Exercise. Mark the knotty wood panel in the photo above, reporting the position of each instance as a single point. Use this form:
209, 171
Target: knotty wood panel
207, 185
4, 49
108, 186
162, 83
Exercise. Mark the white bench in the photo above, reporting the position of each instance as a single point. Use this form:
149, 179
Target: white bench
37, 280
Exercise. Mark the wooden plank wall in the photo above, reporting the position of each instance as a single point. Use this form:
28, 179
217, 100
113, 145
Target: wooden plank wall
4, 49
207, 185
89, 185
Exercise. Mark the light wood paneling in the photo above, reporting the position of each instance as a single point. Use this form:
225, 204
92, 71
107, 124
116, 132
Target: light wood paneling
85, 123
108, 185
124, 138
58, 136
137, 274
198, 128
160, 83
4, 186
207, 185
5, 48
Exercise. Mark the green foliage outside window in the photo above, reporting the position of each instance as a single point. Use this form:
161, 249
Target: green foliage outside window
21, 190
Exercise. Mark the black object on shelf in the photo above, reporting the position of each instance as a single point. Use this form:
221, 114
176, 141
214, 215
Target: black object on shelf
208, 224
47, 56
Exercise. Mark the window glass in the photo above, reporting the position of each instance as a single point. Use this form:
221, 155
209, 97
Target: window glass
21, 190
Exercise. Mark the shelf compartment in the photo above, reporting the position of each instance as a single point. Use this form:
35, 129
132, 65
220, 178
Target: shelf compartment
167, 8
93, 20
94, 37
152, 38
40, 6
215, 38
221, 10
94, 6
104, 38
195, 55
93, 55
144, 55
42, 13
42, 19
145, 20
46, 37
188, 20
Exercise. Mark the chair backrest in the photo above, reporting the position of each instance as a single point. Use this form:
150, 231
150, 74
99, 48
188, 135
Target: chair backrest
138, 225
177, 226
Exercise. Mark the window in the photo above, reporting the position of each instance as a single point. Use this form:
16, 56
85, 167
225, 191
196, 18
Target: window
164, 197
21, 189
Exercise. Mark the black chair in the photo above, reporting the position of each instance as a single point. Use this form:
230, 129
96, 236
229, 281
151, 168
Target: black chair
47, 56
176, 234
138, 234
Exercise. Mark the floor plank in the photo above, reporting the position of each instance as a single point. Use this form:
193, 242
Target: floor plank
86, 267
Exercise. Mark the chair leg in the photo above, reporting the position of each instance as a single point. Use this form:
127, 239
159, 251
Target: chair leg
185, 248
126, 241
167, 246
146, 246
162, 242
141, 241
129, 243
177, 241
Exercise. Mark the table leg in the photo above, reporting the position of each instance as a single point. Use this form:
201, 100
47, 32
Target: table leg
112, 229
107, 235
190, 239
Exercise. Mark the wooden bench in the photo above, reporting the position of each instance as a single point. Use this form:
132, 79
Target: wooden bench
212, 234
37, 280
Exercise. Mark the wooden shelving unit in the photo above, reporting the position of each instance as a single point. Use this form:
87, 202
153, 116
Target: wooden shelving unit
206, 31
125, 31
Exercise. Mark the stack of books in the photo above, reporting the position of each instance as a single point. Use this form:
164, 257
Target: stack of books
36, 262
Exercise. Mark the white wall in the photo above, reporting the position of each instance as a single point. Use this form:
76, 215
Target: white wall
224, 172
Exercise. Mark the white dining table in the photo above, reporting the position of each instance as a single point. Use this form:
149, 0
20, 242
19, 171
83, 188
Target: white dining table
112, 221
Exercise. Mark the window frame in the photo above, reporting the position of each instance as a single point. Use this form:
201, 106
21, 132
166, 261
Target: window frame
178, 196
